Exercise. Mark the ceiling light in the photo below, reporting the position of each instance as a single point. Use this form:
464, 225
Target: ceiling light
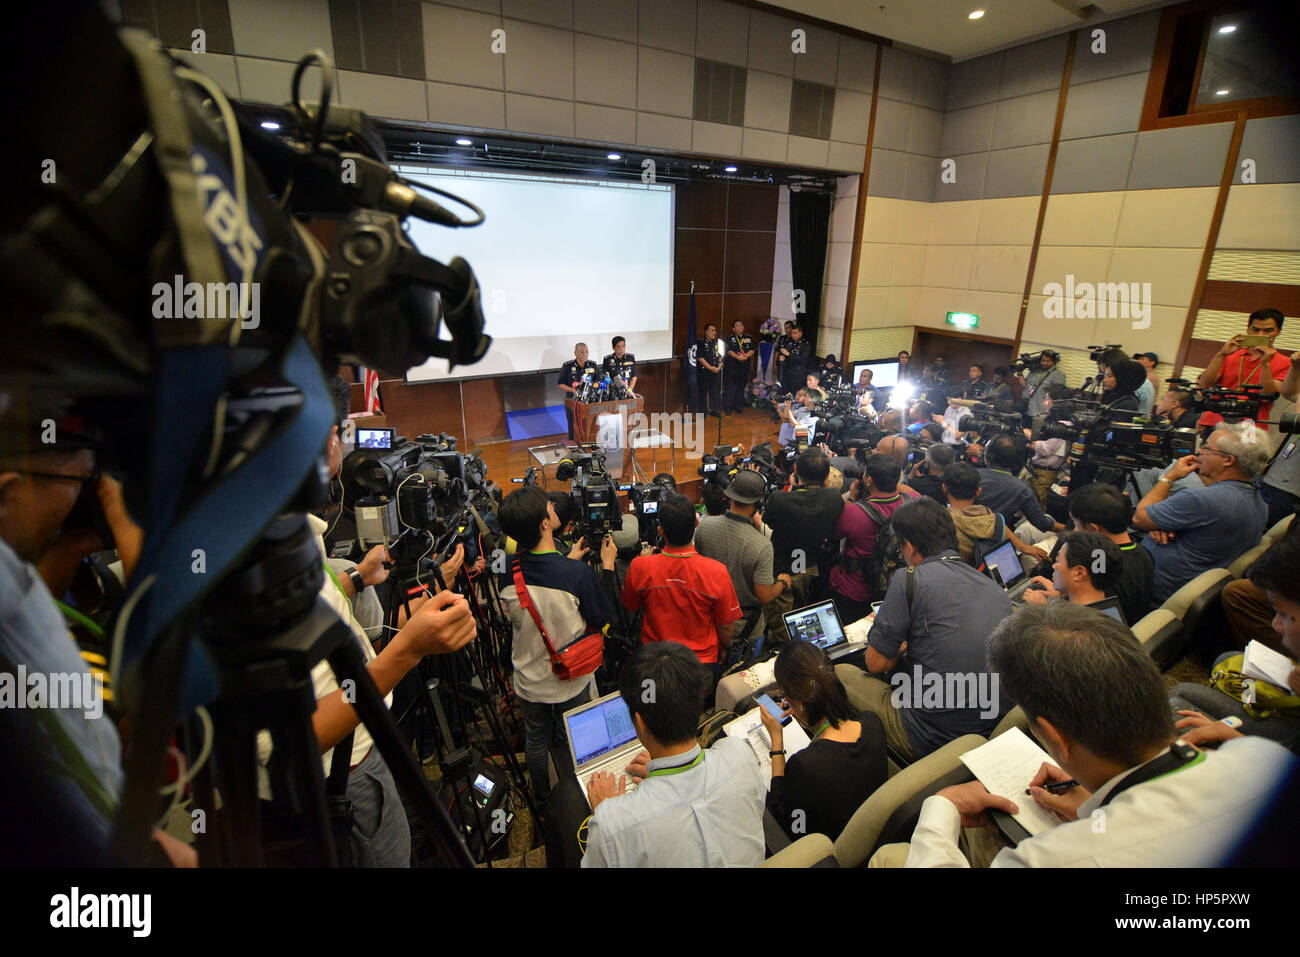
464, 142
1229, 28
270, 125
613, 156
730, 169
1222, 92
976, 14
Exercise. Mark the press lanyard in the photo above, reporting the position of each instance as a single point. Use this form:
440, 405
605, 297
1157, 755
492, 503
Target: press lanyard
677, 770
1177, 758
690, 554
1241, 371
74, 617
821, 729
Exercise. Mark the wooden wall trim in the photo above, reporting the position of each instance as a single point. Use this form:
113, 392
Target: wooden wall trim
1233, 296
859, 219
1047, 189
1211, 241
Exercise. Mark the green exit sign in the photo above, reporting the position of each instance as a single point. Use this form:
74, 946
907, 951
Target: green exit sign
967, 320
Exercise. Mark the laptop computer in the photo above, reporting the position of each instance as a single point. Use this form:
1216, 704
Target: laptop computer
819, 624
601, 738
1111, 606
1003, 566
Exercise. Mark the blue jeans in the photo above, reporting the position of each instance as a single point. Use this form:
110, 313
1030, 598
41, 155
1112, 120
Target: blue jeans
543, 735
381, 836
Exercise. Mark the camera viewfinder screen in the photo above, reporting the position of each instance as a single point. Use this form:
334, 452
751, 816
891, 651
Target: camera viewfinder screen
649, 508
374, 438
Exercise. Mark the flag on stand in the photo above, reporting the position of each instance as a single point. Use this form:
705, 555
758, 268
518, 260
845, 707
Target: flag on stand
690, 332
370, 382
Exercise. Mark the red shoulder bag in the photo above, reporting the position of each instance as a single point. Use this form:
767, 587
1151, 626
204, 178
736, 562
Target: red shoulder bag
580, 657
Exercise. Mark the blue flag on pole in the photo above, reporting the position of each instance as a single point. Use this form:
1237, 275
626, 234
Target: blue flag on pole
690, 332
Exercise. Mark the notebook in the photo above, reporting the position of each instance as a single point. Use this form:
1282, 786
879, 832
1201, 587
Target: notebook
1262, 662
601, 738
749, 726
1005, 766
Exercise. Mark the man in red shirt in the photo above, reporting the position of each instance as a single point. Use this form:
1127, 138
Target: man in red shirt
685, 597
1234, 366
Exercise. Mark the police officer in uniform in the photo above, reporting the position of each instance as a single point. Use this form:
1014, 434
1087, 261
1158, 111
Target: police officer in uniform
782, 344
708, 358
740, 349
621, 363
794, 368
571, 374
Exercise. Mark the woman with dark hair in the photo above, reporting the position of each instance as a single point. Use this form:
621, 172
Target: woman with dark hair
1123, 378
822, 786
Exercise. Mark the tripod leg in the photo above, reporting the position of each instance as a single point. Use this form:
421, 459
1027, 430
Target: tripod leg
347, 663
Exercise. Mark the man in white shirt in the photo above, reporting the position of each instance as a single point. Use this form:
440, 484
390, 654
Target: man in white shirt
1098, 705
693, 808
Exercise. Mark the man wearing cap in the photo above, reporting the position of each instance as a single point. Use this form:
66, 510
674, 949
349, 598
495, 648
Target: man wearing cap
734, 539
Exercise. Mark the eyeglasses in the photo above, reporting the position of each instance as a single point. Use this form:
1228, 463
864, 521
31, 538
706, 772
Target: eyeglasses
92, 478
1208, 448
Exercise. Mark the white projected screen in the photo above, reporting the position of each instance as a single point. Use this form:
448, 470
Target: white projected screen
558, 262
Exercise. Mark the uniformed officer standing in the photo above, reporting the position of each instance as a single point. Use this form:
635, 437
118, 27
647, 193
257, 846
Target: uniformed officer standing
571, 374
795, 368
621, 363
708, 358
782, 344
740, 349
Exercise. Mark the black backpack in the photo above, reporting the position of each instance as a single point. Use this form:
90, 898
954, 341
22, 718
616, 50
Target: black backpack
982, 546
886, 556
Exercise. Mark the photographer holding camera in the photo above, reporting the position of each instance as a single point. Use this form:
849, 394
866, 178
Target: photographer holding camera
1239, 364
801, 520
874, 496
570, 602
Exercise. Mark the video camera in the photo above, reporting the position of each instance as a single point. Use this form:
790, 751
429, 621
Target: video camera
1234, 405
989, 421
1032, 360
592, 492
1118, 442
645, 498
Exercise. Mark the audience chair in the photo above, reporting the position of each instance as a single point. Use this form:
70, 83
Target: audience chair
1198, 606
1159, 632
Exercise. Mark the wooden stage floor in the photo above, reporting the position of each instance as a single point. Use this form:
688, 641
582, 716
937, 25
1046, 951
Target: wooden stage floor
507, 460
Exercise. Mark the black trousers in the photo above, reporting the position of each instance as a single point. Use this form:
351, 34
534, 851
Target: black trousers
707, 385
734, 396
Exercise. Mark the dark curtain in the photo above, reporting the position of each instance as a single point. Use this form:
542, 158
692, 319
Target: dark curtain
810, 220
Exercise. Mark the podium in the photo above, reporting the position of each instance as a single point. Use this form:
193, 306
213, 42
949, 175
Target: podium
589, 427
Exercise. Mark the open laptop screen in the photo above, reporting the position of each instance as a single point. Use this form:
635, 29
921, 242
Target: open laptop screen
1006, 563
1110, 606
600, 729
819, 624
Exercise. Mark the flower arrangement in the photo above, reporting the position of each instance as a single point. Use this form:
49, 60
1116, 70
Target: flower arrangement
761, 393
770, 330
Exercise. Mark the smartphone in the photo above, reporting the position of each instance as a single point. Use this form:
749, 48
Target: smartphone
1254, 342
773, 709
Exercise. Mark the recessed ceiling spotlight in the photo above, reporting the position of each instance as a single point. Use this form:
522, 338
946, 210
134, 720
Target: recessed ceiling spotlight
613, 156
1222, 92
270, 125
730, 169
975, 14
464, 142
1228, 28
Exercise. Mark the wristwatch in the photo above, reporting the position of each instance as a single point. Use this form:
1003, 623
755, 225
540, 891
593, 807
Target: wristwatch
772, 754
358, 583
1165, 478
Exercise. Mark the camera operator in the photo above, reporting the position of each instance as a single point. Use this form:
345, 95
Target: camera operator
1084, 573
1175, 407
1199, 529
874, 496
794, 414
684, 596
830, 372
1280, 483
1121, 380
1235, 365
1006, 494
801, 520
1104, 509
735, 539
571, 603
708, 373
1037, 381
1049, 454
926, 477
